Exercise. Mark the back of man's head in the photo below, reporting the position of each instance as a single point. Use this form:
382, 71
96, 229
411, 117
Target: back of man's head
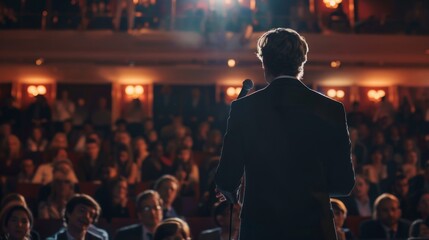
282, 51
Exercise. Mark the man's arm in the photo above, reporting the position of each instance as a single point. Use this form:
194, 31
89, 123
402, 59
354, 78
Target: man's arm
340, 172
231, 165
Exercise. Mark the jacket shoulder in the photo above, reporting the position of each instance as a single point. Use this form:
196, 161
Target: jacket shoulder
129, 229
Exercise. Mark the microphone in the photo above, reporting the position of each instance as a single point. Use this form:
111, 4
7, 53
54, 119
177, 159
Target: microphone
247, 85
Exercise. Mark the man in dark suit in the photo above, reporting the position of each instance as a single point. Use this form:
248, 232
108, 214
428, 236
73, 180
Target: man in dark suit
387, 223
80, 213
292, 144
149, 212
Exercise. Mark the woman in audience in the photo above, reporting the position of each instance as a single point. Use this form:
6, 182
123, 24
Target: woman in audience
187, 172
16, 222
27, 171
376, 170
126, 166
59, 141
44, 172
141, 153
172, 228
359, 203
37, 142
10, 157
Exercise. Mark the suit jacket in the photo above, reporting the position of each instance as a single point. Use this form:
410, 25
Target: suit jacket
372, 229
293, 145
62, 235
132, 232
210, 234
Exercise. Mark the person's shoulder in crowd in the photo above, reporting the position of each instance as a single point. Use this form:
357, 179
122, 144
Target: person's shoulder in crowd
62, 235
128, 230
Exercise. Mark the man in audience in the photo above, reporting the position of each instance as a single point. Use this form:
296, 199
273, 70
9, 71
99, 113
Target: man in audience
89, 168
149, 211
221, 215
340, 215
80, 213
387, 222
168, 186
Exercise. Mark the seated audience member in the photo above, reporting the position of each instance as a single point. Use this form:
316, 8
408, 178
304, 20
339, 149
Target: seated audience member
149, 212
387, 222
400, 189
126, 166
13, 199
59, 141
89, 167
10, 156
44, 172
359, 203
172, 228
16, 222
27, 171
213, 144
141, 153
420, 228
62, 189
340, 215
36, 142
115, 205
168, 186
186, 172
375, 170
221, 215
156, 165
80, 213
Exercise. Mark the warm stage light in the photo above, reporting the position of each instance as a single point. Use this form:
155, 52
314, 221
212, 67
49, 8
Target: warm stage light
375, 95
335, 64
36, 90
340, 94
39, 61
231, 63
134, 91
237, 90
138, 89
332, 3
230, 91
332, 93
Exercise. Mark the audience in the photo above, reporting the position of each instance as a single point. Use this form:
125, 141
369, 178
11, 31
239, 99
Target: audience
420, 228
221, 214
340, 215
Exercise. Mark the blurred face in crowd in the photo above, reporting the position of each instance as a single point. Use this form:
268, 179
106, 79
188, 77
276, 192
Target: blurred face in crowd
361, 188
188, 142
377, 157
81, 217
353, 135
408, 144
150, 213
5, 129
168, 192
109, 172
61, 155
60, 140
185, 154
37, 134
120, 191
67, 126
379, 138
141, 145
92, 149
423, 206
412, 157
124, 156
124, 138
153, 136
18, 225
402, 186
28, 167
148, 125
388, 212
13, 143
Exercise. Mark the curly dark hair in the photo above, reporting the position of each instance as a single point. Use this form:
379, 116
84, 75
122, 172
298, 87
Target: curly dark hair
282, 51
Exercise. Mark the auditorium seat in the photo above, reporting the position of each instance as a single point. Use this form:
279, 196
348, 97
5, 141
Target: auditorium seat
353, 223
88, 187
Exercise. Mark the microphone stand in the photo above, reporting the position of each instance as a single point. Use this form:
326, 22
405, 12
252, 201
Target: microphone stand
247, 85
